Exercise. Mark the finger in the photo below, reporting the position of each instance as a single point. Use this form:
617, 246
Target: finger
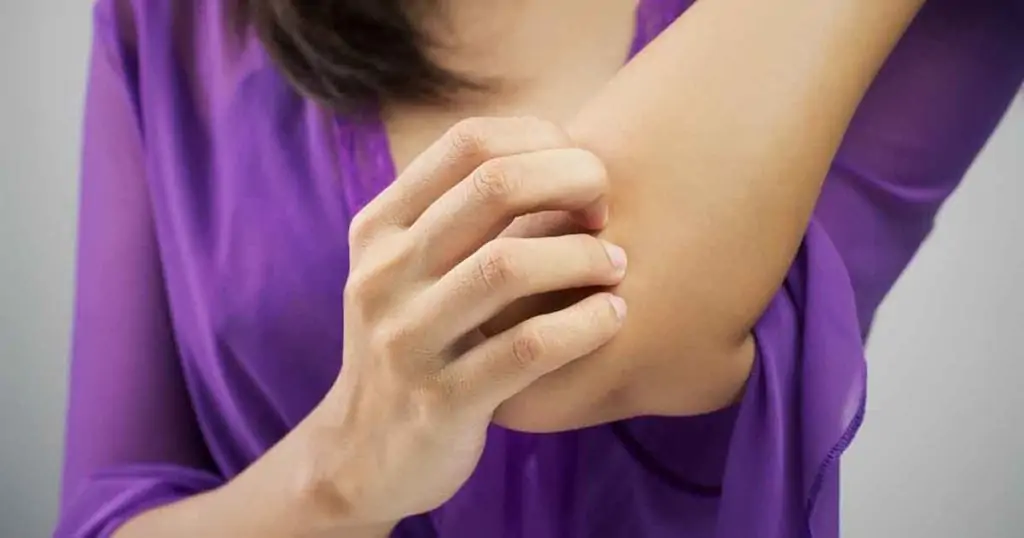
504, 365
544, 224
505, 270
455, 155
480, 207
594, 217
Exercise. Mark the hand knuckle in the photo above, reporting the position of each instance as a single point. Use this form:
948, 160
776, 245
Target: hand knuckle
361, 229
528, 348
496, 269
395, 256
494, 182
358, 287
468, 139
364, 285
394, 340
378, 269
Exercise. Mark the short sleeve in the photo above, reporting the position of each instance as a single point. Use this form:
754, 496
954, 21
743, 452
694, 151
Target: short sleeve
803, 405
132, 441
928, 114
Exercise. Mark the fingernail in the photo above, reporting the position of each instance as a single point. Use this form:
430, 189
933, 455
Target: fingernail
616, 255
619, 304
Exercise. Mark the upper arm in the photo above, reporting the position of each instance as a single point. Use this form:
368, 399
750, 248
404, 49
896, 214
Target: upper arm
127, 403
714, 182
917, 132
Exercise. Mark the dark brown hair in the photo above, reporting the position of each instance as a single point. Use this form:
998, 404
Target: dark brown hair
348, 53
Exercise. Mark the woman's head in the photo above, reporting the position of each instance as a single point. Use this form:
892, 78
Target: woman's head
346, 53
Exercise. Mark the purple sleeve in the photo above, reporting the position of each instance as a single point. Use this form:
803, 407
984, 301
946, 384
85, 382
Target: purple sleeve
922, 124
925, 119
132, 442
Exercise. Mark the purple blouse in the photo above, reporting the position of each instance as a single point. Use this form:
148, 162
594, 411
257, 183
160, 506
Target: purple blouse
212, 259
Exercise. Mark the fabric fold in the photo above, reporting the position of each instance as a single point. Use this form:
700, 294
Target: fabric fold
803, 405
772, 461
108, 499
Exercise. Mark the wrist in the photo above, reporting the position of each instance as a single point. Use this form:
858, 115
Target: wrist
330, 484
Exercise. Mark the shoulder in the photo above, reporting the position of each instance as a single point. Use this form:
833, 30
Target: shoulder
179, 53
137, 22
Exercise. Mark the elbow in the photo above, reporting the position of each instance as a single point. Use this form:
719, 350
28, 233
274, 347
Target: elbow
692, 381
624, 380
687, 347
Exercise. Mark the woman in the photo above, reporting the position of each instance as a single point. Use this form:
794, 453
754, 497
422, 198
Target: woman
272, 190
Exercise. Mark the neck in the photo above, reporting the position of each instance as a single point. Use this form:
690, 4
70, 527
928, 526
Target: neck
515, 47
540, 58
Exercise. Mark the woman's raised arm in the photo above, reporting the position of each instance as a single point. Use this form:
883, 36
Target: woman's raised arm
717, 138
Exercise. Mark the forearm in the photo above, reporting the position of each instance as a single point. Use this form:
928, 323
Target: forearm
281, 495
717, 139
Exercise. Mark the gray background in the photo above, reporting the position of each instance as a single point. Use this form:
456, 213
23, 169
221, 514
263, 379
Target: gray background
941, 455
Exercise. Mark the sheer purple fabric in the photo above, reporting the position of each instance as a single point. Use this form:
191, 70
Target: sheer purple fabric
212, 258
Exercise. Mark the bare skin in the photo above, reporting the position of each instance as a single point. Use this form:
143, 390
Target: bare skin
406, 421
666, 147
531, 65
713, 182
